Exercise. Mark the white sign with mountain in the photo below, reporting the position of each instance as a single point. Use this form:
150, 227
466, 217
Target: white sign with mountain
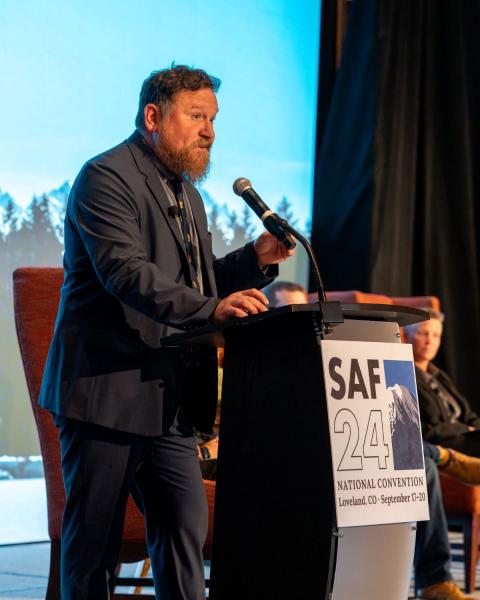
375, 432
14, 215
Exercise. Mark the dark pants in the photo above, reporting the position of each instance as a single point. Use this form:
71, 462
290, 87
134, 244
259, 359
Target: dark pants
432, 549
100, 466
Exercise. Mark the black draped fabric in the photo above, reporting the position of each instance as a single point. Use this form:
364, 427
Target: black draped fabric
397, 187
343, 174
426, 208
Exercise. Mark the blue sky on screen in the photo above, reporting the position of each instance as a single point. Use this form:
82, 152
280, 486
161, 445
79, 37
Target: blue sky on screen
71, 73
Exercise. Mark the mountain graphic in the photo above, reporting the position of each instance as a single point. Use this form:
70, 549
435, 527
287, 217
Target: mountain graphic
403, 406
57, 204
8, 203
405, 429
210, 203
227, 225
206, 197
5, 199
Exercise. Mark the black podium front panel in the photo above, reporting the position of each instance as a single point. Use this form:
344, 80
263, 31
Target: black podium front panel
274, 482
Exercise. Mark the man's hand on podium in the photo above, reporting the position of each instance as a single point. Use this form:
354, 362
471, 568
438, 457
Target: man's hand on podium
240, 304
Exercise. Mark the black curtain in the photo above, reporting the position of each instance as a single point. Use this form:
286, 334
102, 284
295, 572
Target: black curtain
343, 190
397, 180
426, 207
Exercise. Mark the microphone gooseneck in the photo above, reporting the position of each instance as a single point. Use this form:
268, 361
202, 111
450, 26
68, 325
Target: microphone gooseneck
278, 227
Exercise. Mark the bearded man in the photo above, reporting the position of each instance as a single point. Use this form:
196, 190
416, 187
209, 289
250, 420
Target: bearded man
139, 265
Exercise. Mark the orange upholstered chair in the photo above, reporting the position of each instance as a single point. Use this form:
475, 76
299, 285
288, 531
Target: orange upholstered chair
352, 297
418, 301
36, 297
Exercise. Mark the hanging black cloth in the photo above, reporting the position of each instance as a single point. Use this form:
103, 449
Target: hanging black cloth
397, 179
426, 208
343, 184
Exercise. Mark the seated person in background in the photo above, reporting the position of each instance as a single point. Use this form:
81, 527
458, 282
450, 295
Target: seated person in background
282, 293
446, 415
433, 578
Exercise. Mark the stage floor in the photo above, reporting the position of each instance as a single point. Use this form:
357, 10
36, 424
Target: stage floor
24, 571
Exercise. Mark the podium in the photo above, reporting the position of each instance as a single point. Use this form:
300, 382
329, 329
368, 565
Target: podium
275, 533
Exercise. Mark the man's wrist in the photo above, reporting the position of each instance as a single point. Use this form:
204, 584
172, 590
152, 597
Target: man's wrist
211, 317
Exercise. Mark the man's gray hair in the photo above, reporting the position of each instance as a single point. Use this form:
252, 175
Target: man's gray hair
433, 314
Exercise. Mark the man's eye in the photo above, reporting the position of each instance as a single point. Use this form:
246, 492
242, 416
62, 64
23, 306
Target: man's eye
196, 116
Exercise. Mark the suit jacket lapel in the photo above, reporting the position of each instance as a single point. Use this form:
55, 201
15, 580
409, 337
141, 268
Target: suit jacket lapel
146, 166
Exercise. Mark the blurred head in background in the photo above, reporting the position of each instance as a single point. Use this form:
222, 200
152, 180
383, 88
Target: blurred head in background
425, 338
282, 293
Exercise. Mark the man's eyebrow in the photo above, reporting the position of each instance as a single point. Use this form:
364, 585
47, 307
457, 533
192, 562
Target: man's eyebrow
196, 106
202, 109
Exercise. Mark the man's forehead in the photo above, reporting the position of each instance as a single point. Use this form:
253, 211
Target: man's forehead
430, 325
204, 98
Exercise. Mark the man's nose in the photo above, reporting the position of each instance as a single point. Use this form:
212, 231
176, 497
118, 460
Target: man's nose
207, 130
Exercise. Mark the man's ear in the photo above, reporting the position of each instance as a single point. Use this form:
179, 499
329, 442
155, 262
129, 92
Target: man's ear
151, 114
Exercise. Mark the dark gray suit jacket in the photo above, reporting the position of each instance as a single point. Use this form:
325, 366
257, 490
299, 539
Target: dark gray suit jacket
125, 288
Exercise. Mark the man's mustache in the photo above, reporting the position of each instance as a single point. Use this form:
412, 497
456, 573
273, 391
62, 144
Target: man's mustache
203, 145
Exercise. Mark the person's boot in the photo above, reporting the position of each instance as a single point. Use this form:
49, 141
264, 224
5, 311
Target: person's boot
461, 467
446, 590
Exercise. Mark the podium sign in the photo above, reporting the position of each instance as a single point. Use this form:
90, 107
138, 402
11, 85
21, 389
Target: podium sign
375, 432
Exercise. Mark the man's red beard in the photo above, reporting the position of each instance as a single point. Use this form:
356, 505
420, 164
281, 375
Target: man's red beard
192, 162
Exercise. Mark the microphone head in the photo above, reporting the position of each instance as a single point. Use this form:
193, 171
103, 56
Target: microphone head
240, 185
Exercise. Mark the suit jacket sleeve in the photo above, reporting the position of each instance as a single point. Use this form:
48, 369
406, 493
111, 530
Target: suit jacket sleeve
239, 270
105, 214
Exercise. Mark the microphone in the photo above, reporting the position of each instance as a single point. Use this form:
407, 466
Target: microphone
271, 221
285, 233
